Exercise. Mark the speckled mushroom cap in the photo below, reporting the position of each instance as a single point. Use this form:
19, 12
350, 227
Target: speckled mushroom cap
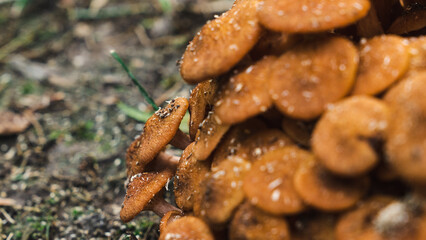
417, 54
142, 188
200, 103
322, 190
269, 183
208, 136
406, 138
313, 74
383, 60
305, 16
252, 223
159, 130
221, 43
221, 192
187, 228
383, 218
189, 176
245, 94
343, 139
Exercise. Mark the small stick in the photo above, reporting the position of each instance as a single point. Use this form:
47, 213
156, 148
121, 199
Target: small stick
134, 80
5, 202
7, 216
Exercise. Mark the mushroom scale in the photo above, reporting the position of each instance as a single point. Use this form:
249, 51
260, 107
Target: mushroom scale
346, 137
307, 16
221, 43
313, 74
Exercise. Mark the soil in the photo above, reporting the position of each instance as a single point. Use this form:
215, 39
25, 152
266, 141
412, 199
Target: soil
62, 177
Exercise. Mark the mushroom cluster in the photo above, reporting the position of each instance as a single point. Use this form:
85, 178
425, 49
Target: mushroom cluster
307, 121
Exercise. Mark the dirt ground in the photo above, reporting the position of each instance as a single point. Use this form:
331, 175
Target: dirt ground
62, 173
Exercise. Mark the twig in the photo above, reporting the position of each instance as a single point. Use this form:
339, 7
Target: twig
5, 202
10, 236
7, 216
38, 128
134, 80
142, 36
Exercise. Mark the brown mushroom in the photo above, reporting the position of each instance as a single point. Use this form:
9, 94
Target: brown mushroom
307, 78
221, 43
324, 191
417, 54
344, 138
253, 224
143, 194
409, 22
221, 192
189, 176
406, 138
383, 60
187, 228
245, 94
160, 129
231, 143
298, 131
305, 16
208, 136
168, 218
200, 103
383, 218
269, 183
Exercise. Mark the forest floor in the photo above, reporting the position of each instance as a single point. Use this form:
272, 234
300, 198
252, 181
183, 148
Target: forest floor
62, 175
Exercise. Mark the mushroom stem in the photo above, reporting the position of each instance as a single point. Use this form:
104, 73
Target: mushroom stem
180, 140
160, 206
163, 161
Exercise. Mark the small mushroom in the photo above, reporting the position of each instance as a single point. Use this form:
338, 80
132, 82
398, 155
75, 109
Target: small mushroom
208, 136
324, 191
345, 137
306, 16
307, 78
160, 129
221, 192
221, 43
251, 223
245, 94
186, 228
383, 60
189, 176
143, 194
168, 218
384, 218
200, 103
269, 183
406, 138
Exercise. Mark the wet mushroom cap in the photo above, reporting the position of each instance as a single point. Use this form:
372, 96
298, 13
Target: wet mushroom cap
406, 138
158, 131
187, 228
269, 183
306, 16
245, 94
315, 73
326, 192
221, 43
208, 136
346, 137
200, 103
142, 188
189, 176
221, 192
383, 60
251, 223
